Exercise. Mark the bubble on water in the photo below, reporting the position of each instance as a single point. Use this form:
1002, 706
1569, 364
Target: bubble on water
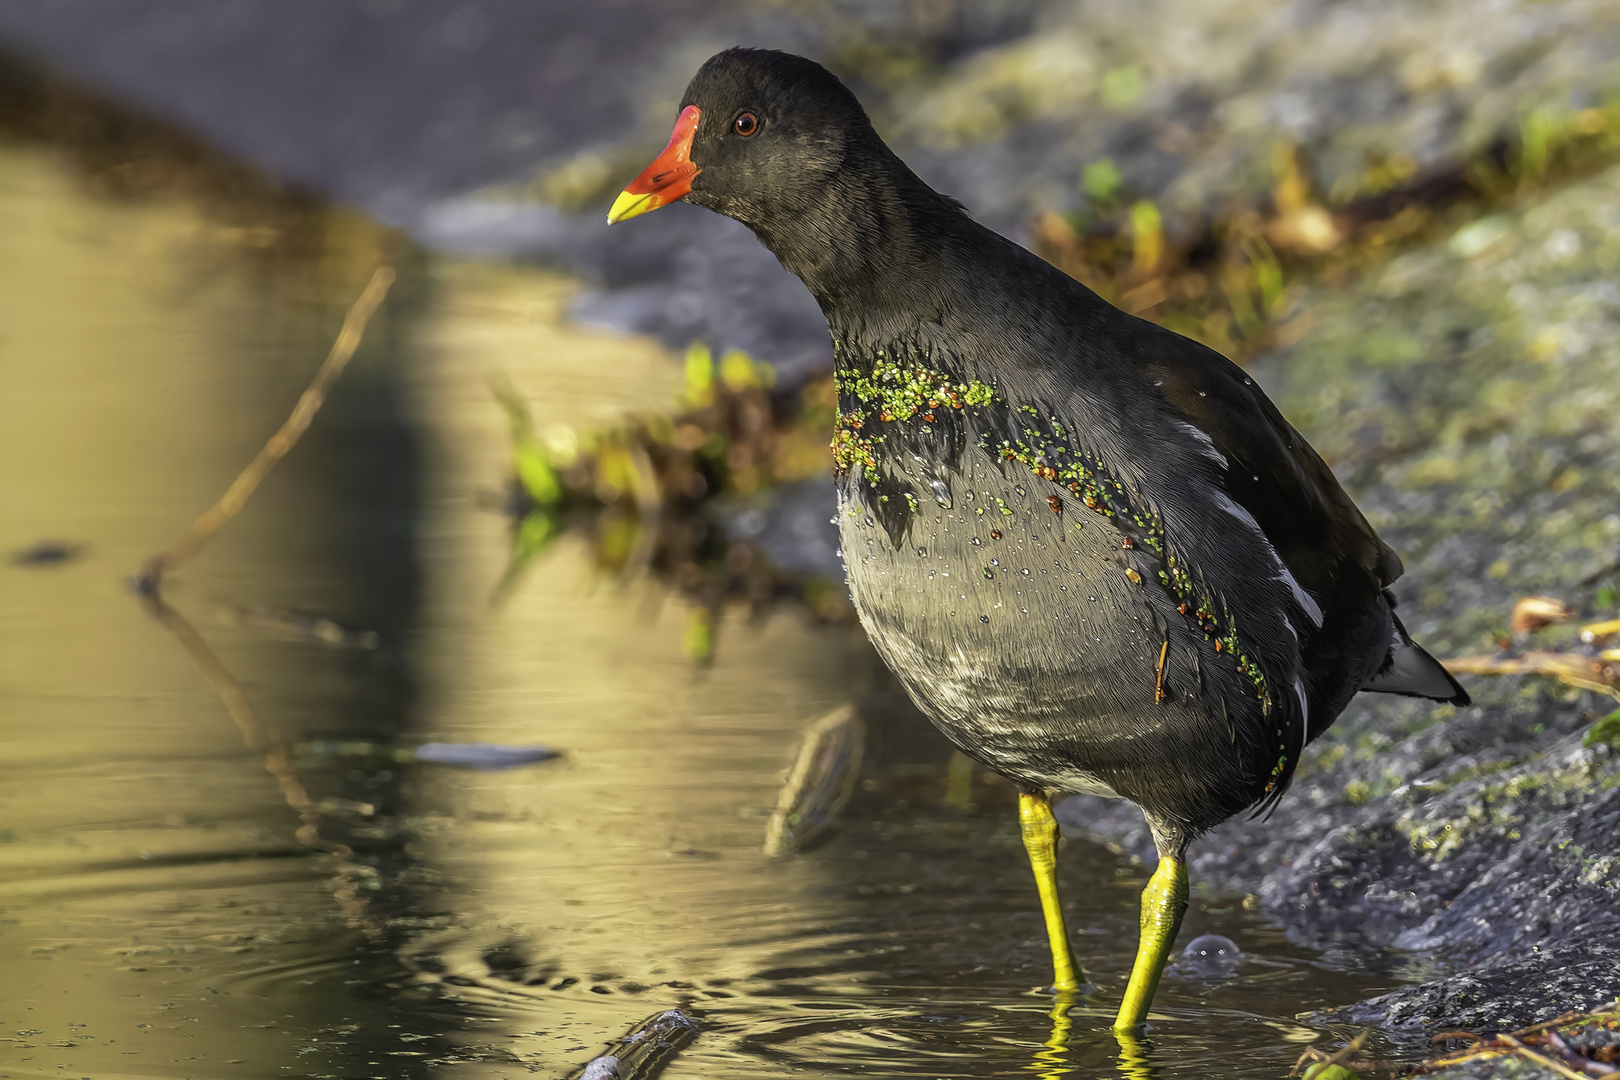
977, 542
984, 618
995, 562
1211, 954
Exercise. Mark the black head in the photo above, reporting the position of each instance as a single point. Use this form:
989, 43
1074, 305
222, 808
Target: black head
775, 130
777, 142
760, 135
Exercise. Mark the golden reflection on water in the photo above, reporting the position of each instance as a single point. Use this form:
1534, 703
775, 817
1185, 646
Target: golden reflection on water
143, 362
140, 837
635, 860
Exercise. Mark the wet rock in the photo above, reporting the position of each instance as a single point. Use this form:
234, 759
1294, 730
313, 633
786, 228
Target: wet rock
1485, 841
1503, 997
1187, 99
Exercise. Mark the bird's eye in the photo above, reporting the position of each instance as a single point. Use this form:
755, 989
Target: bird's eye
745, 124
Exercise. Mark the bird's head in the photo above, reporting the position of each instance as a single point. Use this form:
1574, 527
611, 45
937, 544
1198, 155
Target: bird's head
759, 136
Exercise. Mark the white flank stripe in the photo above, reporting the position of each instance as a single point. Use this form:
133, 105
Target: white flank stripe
1225, 502
1208, 448
1304, 711
1300, 595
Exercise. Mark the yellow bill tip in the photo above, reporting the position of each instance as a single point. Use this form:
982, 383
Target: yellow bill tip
629, 205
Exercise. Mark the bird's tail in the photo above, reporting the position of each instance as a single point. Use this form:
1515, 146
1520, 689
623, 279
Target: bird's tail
1410, 670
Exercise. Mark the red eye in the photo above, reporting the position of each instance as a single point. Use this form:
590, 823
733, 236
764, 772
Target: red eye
745, 124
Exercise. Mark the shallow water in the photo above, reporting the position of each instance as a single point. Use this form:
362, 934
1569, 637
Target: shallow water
175, 902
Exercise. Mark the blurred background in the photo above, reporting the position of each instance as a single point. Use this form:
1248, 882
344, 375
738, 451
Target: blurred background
572, 495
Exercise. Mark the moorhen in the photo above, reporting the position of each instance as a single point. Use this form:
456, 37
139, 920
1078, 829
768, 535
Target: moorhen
1092, 549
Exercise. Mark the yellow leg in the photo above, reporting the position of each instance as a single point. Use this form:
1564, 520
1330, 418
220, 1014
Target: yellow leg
1163, 903
1040, 840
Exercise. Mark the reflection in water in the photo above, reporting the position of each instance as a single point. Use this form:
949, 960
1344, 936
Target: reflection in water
159, 909
277, 762
161, 916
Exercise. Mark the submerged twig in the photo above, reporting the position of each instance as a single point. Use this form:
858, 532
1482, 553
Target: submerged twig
150, 576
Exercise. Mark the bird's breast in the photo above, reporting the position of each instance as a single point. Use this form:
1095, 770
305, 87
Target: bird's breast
1028, 605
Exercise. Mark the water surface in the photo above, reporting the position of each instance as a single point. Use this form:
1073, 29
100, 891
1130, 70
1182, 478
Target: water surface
183, 896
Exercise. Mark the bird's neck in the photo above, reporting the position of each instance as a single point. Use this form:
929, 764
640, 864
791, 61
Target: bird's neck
869, 244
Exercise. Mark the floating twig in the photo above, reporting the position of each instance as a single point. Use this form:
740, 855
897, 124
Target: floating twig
819, 783
645, 1050
1314, 1063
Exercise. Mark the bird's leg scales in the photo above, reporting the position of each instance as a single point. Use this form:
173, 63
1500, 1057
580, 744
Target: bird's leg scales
1164, 901
1040, 832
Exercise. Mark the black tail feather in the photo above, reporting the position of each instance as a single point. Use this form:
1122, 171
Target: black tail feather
1410, 670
